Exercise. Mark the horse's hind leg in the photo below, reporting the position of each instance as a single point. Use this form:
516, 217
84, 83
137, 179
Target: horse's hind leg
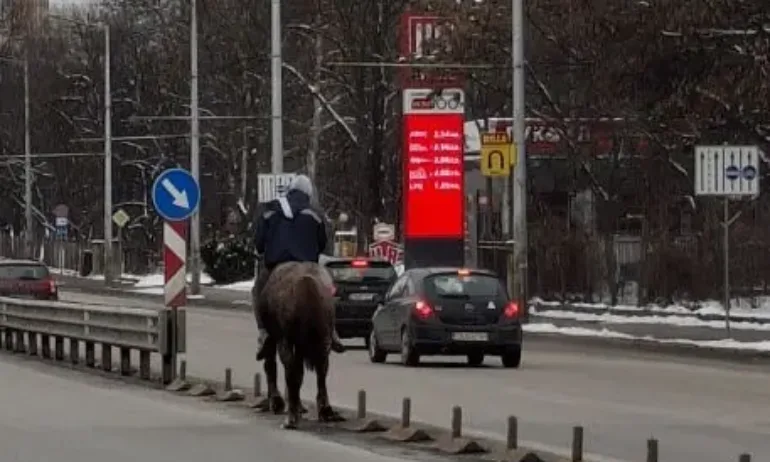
295, 373
274, 401
325, 411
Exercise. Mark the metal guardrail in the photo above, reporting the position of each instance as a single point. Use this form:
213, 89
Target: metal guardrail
28, 326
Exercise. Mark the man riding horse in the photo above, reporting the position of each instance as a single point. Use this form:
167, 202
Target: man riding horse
289, 230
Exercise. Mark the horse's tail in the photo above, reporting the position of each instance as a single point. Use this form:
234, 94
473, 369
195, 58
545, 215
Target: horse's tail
317, 320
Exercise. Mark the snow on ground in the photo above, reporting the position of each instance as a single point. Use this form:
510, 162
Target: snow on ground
242, 286
545, 328
157, 280
740, 308
681, 321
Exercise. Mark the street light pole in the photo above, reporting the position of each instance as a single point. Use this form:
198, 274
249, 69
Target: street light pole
29, 235
195, 225
108, 265
519, 183
277, 88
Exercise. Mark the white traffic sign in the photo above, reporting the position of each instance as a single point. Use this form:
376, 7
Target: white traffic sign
727, 171
272, 186
121, 218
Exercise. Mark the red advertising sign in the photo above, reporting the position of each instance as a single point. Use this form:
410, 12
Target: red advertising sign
434, 201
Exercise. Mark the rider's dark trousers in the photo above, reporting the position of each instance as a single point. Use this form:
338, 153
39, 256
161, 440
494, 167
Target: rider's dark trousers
257, 297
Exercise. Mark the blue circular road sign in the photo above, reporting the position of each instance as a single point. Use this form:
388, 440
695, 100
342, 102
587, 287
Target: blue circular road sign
749, 172
732, 172
176, 195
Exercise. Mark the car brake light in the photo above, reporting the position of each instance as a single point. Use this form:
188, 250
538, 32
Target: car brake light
511, 310
52, 286
423, 310
359, 263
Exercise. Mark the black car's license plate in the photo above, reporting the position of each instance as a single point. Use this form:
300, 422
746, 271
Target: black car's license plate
362, 297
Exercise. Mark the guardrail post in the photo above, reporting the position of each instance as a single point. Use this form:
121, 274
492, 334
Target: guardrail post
59, 348
74, 350
32, 338
167, 373
125, 361
90, 354
9, 339
20, 347
45, 346
106, 357
144, 365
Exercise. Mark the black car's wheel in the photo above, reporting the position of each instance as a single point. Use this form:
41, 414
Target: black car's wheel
409, 356
512, 357
376, 354
476, 359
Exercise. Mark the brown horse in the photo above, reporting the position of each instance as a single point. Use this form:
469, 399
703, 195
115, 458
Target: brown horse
299, 317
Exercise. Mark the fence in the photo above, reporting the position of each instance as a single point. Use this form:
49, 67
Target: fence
70, 255
28, 326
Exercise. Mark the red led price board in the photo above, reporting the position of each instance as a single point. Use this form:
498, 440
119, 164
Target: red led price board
434, 201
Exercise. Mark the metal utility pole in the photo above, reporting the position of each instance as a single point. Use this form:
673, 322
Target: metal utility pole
108, 276
29, 235
519, 183
195, 136
277, 88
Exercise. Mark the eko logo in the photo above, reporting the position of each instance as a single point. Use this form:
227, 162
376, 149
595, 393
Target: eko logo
448, 100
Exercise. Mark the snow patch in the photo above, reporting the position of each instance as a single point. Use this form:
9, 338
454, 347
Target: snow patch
679, 321
157, 280
242, 286
727, 344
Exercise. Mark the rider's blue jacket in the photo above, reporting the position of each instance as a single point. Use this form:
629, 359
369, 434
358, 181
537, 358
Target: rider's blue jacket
289, 229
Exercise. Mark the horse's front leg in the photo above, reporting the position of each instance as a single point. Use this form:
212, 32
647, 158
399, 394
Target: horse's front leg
295, 373
274, 401
325, 411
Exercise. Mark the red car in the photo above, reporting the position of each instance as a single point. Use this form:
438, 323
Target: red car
27, 279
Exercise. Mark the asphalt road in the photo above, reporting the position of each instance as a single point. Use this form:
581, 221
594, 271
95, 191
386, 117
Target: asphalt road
700, 410
51, 414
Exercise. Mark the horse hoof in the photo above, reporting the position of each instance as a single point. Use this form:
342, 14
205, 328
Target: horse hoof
291, 423
277, 405
328, 414
264, 405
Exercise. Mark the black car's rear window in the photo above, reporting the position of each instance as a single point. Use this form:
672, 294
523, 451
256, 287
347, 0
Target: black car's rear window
456, 284
23, 272
374, 271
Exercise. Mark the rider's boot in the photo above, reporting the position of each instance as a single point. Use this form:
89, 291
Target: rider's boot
261, 340
337, 345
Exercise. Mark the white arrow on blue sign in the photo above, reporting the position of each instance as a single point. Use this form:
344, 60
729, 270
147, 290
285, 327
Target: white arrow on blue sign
176, 195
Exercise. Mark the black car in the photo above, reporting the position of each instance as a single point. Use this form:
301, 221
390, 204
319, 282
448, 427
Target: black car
360, 285
447, 311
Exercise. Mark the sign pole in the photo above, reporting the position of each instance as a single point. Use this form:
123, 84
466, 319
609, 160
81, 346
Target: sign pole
726, 245
727, 171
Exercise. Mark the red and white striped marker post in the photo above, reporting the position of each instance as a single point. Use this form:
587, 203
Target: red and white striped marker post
174, 262
175, 276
